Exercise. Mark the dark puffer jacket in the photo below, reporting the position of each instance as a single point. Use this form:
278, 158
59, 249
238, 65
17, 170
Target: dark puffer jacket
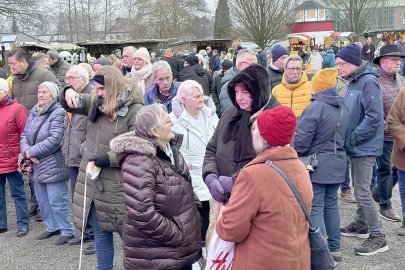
59, 69
276, 77
162, 226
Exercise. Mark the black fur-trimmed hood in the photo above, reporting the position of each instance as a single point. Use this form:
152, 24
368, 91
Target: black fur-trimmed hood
256, 79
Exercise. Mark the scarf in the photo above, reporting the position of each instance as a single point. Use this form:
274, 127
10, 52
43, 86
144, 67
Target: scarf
238, 130
141, 75
26, 74
121, 106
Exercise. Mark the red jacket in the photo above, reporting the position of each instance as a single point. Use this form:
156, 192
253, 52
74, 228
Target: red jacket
13, 118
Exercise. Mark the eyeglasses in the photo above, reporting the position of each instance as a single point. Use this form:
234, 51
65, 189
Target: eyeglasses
296, 69
71, 78
340, 64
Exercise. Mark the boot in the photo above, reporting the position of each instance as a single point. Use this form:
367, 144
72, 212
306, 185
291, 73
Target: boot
401, 231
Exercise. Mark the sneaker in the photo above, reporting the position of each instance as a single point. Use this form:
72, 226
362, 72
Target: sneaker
347, 196
390, 215
90, 250
356, 229
401, 231
372, 245
337, 256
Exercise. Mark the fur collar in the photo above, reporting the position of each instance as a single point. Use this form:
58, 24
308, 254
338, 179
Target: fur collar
128, 143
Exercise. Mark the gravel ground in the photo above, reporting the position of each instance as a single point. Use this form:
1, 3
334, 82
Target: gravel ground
28, 253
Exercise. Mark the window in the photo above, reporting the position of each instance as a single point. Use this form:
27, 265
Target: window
311, 14
321, 14
403, 19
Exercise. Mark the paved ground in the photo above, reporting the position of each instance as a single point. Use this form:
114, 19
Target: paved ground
29, 253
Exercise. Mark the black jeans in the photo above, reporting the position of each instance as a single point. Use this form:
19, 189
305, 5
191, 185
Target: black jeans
205, 218
387, 177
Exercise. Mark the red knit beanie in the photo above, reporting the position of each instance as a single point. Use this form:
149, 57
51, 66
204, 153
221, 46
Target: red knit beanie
277, 126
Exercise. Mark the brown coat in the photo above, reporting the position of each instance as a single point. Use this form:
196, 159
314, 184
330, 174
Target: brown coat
396, 125
263, 216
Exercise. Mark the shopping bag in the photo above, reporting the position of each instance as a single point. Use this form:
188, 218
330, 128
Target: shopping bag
220, 254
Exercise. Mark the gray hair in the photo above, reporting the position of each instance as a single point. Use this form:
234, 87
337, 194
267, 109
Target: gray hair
244, 52
81, 72
149, 117
292, 58
186, 89
37, 57
161, 65
203, 53
132, 49
53, 54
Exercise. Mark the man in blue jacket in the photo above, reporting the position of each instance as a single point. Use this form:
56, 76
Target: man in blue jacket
364, 143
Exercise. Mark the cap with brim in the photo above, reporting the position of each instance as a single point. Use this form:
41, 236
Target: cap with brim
388, 50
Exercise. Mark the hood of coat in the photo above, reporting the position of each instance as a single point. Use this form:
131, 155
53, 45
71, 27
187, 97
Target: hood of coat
362, 70
178, 108
228, 77
256, 79
304, 79
129, 143
329, 96
7, 100
199, 70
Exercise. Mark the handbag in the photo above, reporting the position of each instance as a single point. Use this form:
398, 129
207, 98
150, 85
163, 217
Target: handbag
311, 161
321, 258
220, 253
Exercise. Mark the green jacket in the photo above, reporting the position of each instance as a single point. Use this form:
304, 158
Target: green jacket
109, 203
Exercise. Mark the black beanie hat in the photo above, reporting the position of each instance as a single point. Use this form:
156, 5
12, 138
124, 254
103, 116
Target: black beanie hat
192, 60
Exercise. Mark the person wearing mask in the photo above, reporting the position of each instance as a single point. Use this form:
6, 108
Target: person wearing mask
231, 146
40, 142
263, 217
322, 129
110, 114
164, 89
141, 71
14, 117
162, 226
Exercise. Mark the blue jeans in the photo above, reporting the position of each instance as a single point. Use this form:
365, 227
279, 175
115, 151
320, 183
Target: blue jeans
16, 184
362, 174
104, 242
401, 185
325, 213
346, 184
53, 200
387, 177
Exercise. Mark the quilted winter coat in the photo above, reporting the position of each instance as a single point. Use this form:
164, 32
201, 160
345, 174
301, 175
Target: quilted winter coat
47, 148
162, 226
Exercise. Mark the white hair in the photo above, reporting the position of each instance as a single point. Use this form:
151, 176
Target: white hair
161, 65
186, 89
81, 71
4, 86
149, 117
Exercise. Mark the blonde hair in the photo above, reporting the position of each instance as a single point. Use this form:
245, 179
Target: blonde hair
114, 85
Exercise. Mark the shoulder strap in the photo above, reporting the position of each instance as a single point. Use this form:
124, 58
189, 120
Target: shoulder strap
293, 188
39, 128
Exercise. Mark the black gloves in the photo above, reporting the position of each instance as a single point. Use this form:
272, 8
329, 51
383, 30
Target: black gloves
101, 161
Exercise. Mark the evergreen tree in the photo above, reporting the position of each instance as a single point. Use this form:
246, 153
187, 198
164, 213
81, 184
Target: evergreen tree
222, 25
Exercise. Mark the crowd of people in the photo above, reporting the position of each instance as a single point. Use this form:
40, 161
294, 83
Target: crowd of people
181, 145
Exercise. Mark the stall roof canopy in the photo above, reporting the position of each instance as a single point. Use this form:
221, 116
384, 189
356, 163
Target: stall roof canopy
300, 36
117, 42
54, 46
340, 34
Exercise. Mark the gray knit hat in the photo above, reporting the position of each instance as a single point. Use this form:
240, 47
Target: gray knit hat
52, 87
